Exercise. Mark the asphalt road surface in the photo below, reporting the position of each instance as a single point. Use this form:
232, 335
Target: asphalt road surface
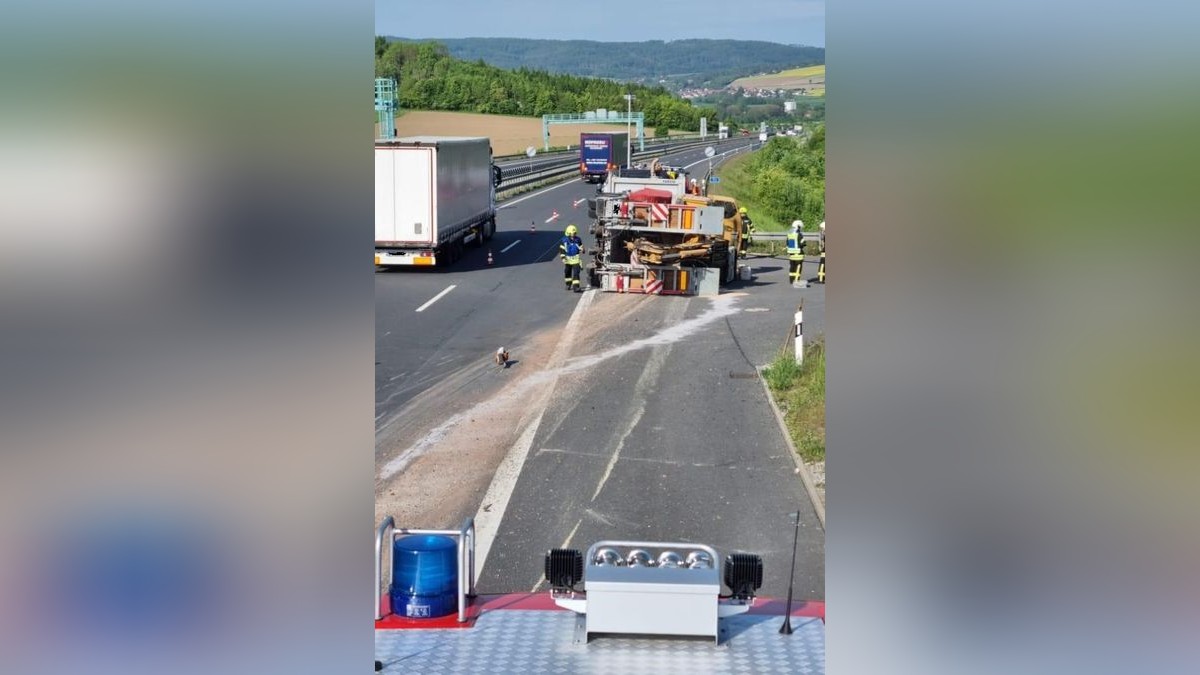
489, 306
654, 427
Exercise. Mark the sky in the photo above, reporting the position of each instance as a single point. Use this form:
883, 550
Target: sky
784, 21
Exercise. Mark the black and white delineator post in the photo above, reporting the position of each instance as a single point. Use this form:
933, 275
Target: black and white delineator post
800, 333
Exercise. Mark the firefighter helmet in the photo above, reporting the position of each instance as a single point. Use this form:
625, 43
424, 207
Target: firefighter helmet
572, 230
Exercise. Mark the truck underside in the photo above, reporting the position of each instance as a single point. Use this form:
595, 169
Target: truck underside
658, 246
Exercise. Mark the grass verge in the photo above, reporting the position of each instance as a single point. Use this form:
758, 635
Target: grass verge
738, 182
800, 392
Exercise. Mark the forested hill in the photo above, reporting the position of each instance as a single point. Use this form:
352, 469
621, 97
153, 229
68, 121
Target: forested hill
430, 79
700, 62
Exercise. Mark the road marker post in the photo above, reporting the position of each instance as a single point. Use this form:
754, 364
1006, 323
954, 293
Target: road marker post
799, 335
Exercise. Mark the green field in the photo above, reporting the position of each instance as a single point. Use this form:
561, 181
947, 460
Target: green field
811, 78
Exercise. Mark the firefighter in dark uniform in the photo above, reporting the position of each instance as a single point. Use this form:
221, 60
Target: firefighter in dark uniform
795, 250
570, 249
747, 237
821, 265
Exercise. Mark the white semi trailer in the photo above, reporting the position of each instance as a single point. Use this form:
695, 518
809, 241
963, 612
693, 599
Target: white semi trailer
434, 195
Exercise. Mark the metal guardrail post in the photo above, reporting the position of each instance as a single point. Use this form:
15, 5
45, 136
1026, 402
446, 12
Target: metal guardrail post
387, 526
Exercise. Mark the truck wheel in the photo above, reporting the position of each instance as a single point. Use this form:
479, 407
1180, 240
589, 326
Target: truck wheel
491, 229
479, 234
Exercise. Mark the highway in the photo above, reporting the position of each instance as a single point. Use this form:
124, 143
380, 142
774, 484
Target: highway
621, 416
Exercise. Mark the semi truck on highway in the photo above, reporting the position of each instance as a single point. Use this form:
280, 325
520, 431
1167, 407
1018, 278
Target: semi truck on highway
601, 153
654, 237
434, 195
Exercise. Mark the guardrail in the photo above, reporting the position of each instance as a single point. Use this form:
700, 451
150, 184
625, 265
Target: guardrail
782, 236
516, 179
519, 167
657, 141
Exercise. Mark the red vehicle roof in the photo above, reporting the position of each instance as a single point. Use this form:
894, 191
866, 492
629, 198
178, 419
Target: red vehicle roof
651, 195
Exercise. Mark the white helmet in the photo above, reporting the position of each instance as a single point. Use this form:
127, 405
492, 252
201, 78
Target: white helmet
822, 226
797, 224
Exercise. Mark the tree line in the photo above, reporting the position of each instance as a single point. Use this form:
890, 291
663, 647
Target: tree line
788, 178
429, 78
715, 62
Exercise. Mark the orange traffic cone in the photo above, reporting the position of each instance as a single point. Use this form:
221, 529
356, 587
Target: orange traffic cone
490, 260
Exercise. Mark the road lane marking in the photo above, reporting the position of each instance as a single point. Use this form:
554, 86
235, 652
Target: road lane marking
505, 249
437, 297
487, 523
534, 194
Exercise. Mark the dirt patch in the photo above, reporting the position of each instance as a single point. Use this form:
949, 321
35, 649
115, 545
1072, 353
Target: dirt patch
510, 134
444, 482
438, 460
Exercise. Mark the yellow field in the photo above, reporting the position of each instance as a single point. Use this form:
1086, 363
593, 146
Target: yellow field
510, 134
811, 78
810, 71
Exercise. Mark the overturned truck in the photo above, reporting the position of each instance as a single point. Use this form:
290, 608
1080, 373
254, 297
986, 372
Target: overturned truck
652, 237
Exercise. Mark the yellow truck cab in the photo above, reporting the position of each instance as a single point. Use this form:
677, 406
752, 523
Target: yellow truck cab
737, 232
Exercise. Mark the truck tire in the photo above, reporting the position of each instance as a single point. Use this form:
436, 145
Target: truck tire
491, 229
480, 232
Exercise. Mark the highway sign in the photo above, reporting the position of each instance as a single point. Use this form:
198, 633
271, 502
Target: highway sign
714, 179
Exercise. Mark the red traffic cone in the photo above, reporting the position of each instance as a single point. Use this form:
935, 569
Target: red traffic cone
490, 260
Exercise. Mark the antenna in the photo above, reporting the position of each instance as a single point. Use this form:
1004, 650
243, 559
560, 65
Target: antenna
786, 628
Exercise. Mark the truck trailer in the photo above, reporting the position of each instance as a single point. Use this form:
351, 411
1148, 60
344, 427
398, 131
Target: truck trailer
601, 153
434, 195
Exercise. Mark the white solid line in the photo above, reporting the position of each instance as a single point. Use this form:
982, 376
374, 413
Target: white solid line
531, 195
505, 249
435, 298
487, 523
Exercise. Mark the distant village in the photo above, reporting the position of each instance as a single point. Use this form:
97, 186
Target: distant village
702, 92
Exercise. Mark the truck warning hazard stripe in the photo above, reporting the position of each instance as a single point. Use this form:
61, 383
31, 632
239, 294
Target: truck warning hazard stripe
654, 286
659, 211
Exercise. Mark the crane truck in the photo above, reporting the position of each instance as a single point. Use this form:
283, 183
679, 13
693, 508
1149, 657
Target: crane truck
652, 236
434, 195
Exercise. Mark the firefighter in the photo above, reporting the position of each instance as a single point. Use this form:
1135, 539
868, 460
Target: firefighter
821, 265
795, 250
570, 249
747, 228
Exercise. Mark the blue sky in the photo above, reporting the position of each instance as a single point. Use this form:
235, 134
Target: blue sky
785, 21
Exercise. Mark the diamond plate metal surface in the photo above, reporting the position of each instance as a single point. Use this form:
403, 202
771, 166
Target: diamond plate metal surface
537, 641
